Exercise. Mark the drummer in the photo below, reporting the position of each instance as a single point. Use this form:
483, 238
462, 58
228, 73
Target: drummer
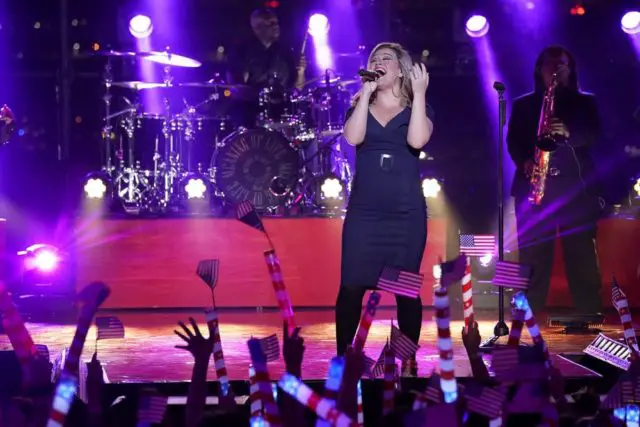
266, 61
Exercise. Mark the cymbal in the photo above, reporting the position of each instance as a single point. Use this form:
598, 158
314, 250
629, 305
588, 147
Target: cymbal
356, 54
322, 80
136, 85
172, 59
350, 82
119, 54
212, 85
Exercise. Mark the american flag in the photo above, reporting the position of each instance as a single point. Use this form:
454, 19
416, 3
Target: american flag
510, 363
401, 345
43, 352
270, 347
627, 389
452, 271
433, 392
400, 282
151, 408
247, 214
512, 275
614, 398
616, 293
208, 271
109, 328
369, 364
484, 400
378, 367
477, 245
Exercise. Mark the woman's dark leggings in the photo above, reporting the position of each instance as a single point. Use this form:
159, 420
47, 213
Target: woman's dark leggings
349, 309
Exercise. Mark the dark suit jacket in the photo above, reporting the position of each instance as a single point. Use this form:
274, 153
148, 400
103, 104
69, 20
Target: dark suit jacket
574, 162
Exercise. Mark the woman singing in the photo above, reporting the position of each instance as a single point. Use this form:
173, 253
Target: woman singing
386, 222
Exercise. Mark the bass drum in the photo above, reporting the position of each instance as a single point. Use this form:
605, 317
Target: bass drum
259, 165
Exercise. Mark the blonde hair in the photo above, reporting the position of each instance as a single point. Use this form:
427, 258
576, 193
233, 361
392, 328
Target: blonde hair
406, 64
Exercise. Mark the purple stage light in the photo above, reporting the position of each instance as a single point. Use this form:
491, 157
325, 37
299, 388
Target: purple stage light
630, 22
318, 25
42, 257
140, 26
477, 26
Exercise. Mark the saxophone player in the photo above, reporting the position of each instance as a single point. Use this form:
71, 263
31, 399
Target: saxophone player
564, 121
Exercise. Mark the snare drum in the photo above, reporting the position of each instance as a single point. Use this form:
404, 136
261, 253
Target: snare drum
259, 165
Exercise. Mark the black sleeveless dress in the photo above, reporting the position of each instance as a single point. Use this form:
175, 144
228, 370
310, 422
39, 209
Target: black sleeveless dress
386, 221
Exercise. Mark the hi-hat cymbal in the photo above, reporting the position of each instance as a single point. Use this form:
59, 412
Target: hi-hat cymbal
356, 54
119, 54
136, 85
322, 80
212, 85
172, 59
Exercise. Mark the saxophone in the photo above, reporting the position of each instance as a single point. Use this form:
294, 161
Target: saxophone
545, 145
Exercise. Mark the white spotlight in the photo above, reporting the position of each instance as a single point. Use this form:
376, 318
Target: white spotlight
195, 189
140, 26
331, 188
430, 188
95, 188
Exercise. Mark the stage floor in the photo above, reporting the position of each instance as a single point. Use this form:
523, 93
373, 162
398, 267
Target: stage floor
147, 353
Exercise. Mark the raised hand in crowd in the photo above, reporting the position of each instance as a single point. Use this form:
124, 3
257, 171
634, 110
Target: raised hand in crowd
95, 383
292, 350
353, 370
201, 349
471, 339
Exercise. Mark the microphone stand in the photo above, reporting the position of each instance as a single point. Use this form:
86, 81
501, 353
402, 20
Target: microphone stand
501, 329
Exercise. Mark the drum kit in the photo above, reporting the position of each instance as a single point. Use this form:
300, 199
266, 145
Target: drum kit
158, 159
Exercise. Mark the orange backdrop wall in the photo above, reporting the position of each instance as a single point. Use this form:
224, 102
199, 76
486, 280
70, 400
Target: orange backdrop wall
152, 263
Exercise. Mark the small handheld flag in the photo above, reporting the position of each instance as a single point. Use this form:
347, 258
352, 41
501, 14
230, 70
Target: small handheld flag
477, 245
208, 271
400, 282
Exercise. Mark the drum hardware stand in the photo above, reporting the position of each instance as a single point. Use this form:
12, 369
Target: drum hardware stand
106, 130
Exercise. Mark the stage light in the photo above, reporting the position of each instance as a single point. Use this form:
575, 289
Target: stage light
485, 260
578, 10
42, 257
318, 25
95, 188
630, 22
430, 188
477, 26
332, 188
140, 26
195, 188
636, 187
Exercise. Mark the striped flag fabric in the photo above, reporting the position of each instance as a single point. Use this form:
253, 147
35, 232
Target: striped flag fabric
400, 282
452, 271
512, 275
485, 401
510, 363
378, 367
208, 271
627, 388
247, 214
109, 328
477, 245
433, 392
43, 352
270, 347
151, 408
369, 364
402, 345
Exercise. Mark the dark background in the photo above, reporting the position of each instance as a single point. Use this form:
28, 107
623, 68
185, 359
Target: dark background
42, 168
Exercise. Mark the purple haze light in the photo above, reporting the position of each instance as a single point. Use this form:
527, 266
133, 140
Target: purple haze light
140, 26
477, 26
630, 22
318, 25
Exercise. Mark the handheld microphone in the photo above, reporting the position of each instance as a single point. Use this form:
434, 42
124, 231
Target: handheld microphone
370, 76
